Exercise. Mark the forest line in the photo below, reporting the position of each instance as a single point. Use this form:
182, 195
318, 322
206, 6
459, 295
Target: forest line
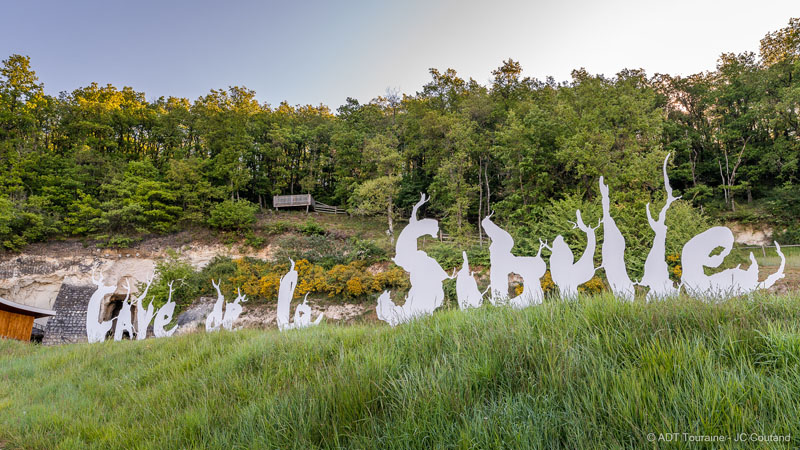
102, 160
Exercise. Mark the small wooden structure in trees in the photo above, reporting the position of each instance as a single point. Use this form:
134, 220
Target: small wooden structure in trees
293, 201
16, 321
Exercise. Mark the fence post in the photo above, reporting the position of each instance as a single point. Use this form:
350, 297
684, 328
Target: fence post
763, 251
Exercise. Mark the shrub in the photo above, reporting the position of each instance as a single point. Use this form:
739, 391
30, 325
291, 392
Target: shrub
220, 268
448, 255
19, 227
317, 249
261, 280
683, 222
187, 283
364, 250
233, 215
593, 286
790, 235
278, 227
117, 241
311, 228
253, 240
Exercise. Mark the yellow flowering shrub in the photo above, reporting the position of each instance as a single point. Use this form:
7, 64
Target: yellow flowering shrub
547, 283
310, 278
675, 270
593, 286
391, 278
259, 279
355, 287
269, 285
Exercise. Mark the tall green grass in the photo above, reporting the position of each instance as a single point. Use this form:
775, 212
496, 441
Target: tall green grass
595, 373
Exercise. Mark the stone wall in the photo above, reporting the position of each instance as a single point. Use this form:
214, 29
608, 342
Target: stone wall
69, 323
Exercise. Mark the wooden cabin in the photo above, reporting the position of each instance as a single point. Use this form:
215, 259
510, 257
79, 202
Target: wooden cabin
16, 321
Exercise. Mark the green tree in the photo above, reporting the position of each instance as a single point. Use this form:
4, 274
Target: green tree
379, 192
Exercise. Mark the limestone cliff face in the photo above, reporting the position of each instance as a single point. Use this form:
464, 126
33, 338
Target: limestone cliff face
35, 276
35, 280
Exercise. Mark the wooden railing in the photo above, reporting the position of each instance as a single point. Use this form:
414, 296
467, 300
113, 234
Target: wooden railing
328, 209
286, 201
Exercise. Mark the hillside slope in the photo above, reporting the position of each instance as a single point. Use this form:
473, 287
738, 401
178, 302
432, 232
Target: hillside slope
561, 375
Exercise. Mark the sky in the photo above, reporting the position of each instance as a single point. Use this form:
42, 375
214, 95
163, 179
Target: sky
312, 52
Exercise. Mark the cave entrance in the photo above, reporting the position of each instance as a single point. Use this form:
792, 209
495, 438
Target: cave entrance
111, 311
514, 285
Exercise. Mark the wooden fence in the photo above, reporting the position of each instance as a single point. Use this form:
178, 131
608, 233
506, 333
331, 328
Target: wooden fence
328, 209
764, 247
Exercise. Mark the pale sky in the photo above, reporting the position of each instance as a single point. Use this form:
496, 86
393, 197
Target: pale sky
311, 52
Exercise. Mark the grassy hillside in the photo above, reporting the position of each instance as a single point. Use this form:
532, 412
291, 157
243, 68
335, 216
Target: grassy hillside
597, 372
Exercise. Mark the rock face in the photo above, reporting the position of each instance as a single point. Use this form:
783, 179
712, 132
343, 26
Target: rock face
58, 275
194, 317
35, 278
749, 235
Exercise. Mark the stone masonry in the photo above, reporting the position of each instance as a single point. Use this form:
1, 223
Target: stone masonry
69, 323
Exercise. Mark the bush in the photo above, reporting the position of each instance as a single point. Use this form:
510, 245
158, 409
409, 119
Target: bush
278, 227
261, 280
233, 215
254, 241
683, 222
220, 268
449, 256
311, 228
117, 241
789, 235
785, 209
364, 250
187, 283
317, 249
19, 227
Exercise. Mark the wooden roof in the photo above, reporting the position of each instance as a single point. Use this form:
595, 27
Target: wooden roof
8, 305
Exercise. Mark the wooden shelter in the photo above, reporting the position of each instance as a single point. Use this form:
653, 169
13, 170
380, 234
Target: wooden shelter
16, 321
290, 201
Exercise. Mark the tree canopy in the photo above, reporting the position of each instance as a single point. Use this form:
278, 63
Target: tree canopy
101, 159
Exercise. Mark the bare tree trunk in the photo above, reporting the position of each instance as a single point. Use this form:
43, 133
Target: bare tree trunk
730, 175
389, 214
488, 193
480, 201
693, 165
724, 183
